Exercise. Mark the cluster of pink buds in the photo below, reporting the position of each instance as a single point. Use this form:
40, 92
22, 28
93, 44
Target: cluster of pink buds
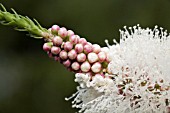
75, 53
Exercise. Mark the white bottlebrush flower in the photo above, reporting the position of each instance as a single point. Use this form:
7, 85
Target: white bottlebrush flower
138, 79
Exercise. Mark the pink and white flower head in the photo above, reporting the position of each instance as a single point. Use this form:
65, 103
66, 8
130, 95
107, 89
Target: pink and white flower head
55, 50
74, 39
63, 55
67, 63
139, 78
81, 57
88, 48
75, 66
92, 57
72, 54
83, 41
85, 67
62, 32
54, 29
68, 46
57, 40
96, 48
102, 56
47, 47
96, 67
79, 48
70, 33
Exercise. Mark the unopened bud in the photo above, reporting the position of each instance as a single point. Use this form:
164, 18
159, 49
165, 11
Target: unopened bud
96, 67
74, 39
75, 66
55, 29
108, 58
70, 33
81, 57
47, 46
68, 46
62, 32
105, 49
88, 48
67, 63
79, 48
63, 55
96, 48
83, 41
72, 54
102, 56
57, 40
92, 57
85, 67
50, 55
55, 50
56, 58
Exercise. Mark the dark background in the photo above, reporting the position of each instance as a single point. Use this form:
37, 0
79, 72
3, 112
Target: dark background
30, 82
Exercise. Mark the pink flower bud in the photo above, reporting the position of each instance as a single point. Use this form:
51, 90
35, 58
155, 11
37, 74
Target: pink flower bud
82, 41
74, 39
70, 33
68, 46
89, 43
67, 63
75, 66
92, 57
72, 54
47, 46
55, 50
57, 40
79, 48
96, 48
62, 32
88, 48
81, 57
50, 55
108, 59
85, 67
55, 29
102, 56
105, 49
56, 58
96, 67
63, 55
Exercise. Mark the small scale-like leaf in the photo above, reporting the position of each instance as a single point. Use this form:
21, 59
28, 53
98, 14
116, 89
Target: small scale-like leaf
20, 29
16, 15
34, 36
8, 23
38, 24
4, 9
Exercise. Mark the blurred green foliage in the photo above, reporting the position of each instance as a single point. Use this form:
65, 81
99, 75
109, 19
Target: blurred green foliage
30, 82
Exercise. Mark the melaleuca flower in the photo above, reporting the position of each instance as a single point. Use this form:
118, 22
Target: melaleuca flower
137, 80
131, 76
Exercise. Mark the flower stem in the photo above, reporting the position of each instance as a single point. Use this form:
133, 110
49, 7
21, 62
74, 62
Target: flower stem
23, 23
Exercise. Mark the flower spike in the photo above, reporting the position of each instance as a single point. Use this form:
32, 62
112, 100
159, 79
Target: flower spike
128, 77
